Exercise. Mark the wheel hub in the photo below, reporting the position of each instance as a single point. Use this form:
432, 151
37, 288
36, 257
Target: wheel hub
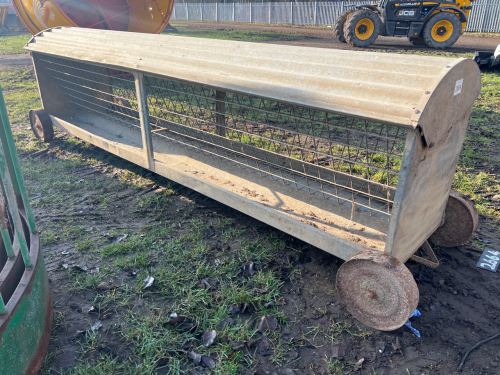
377, 289
374, 294
362, 29
441, 31
460, 221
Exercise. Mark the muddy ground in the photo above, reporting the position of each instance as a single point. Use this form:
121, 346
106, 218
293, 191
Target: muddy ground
323, 38
106, 198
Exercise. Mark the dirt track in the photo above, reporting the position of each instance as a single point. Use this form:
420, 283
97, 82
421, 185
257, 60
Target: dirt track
323, 38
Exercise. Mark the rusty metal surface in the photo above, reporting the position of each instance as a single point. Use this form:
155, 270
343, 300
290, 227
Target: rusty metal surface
460, 221
385, 87
433, 260
377, 289
41, 124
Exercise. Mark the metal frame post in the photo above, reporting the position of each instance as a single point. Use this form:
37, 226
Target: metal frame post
315, 12
13, 208
201, 11
291, 12
220, 108
14, 189
250, 12
3, 310
13, 164
5, 232
187, 12
147, 142
216, 12
487, 17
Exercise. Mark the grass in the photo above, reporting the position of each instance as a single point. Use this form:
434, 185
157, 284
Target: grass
20, 91
181, 259
240, 35
13, 44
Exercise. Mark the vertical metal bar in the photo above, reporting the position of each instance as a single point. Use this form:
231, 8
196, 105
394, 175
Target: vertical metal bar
495, 16
147, 143
403, 177
220, 108
291, 13
3, 310
7, 243
233, 12
5, 229
251, 12
487, 14
269, 18
201, 11
315, 11
12, 201
12, 160
6, 158
187, 12
342, 8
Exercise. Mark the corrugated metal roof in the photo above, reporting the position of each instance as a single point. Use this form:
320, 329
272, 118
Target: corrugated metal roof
391, 88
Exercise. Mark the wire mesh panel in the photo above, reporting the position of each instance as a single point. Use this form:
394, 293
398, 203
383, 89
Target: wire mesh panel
484, 16
242, 12
209, 12
260, 13
194, 11
281, 13
180, 12
304, 14
350, 161
326, 13
107, 92
225, 12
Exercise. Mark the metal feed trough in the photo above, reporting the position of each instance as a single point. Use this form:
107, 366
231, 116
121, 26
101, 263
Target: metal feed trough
352, 152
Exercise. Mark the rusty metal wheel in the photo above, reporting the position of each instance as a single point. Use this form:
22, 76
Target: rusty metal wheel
41, 124
377, 289
460, 221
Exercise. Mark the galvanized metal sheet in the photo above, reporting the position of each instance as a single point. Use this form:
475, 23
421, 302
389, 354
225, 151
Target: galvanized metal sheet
382, 87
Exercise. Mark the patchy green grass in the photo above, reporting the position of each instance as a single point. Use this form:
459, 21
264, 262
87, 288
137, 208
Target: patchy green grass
21, 93
191, 278
241, 35
478, 172
13, 44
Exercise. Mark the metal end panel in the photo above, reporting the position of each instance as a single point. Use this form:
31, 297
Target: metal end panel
389, 88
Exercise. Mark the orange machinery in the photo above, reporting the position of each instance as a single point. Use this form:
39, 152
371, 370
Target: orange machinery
146, 16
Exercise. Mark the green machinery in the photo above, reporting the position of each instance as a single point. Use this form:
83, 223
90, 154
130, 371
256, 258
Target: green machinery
25, 300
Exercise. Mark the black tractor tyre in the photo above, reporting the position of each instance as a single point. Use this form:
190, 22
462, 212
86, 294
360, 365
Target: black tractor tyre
338, 25
428, 34
352, 24
417, 41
